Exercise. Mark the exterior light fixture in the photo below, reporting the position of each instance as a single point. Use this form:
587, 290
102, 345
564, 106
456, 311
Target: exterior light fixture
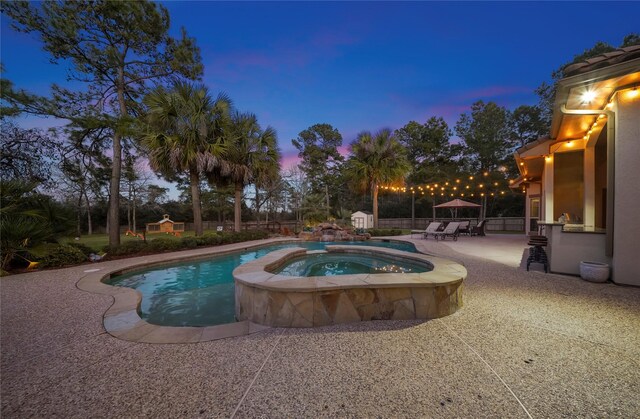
588, 96
569, 143
633, 93
521, 163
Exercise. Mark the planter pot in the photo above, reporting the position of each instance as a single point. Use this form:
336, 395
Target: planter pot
594, 271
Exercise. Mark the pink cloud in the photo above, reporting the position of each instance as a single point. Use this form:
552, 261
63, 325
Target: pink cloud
282, 55
289, 161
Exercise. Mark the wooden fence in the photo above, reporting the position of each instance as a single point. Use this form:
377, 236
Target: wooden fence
515, 224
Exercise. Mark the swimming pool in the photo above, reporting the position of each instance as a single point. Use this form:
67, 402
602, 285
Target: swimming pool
202, 293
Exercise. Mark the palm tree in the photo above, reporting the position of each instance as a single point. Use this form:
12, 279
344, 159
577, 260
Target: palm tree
184, 134
374, 160
251, 157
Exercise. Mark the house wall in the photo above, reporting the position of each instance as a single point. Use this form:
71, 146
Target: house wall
626, 239
547, 190
566, 250
534, 191
601, 181
568, 184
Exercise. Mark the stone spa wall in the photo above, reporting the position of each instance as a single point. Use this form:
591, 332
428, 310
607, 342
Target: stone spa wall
285, 301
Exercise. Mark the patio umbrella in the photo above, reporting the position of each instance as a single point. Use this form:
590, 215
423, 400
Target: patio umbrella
457, 203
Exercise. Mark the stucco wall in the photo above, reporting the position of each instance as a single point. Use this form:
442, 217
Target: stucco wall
626, 239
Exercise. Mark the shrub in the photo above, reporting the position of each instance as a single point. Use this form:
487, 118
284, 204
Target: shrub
86, 250
127, 248
189, 242
209, 239
62, 255
162, 244
385, 231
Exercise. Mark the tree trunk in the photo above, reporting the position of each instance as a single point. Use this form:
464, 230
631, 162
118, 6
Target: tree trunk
194, 179
257, 207
375, 206
129, 206
114, 193
237, 213
326, 195
79, 218
116, 169
133, 210
89, 222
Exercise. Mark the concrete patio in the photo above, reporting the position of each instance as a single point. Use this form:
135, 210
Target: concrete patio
525, 344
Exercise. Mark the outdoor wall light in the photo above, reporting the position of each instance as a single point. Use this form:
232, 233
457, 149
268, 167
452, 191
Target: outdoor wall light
588, 96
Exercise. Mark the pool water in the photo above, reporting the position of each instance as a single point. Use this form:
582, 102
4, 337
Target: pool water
202, 293
326, 264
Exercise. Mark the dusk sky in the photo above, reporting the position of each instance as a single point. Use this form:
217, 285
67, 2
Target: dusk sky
363, 66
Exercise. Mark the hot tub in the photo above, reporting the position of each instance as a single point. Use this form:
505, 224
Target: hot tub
265, 296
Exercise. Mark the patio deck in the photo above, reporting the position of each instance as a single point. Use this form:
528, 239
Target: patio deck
526, 344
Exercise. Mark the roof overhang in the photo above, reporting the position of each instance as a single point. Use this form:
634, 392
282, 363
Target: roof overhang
592, 90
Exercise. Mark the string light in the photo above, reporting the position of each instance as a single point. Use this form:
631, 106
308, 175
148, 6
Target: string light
454, 187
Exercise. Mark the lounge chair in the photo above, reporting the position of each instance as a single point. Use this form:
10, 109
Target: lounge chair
432, 228
452, 230
464, 228
479, 229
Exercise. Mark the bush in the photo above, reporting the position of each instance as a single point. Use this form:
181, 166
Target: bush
162, 244
385, 231
62, 255
127, 248
209, 239
189, 242
86, 250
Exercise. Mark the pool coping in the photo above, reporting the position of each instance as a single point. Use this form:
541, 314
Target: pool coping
257, 273
122, 320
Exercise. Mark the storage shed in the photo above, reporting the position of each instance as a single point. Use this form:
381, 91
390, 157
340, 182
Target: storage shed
165, 226
362, 219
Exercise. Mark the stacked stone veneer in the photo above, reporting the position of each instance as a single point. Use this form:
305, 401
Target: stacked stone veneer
285, 301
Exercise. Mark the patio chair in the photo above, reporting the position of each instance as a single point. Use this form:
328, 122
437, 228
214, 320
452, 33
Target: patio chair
452, 230
479, 229
432, 228
464, 228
